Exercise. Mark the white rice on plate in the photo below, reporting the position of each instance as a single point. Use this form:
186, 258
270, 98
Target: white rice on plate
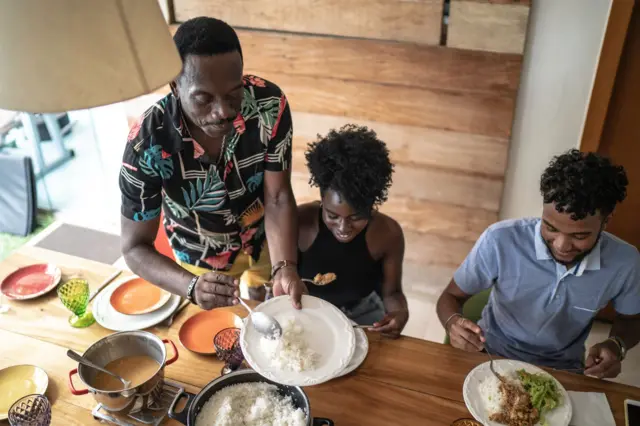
290, 352
250, 404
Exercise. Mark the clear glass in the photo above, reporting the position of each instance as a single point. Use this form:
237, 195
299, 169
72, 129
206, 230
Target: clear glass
32, 410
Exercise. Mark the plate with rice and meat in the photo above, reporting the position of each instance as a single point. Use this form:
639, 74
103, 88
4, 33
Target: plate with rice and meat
527, 396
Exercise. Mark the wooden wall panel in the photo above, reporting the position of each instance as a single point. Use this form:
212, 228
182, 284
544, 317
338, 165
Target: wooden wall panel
488, 26
483, 114
417, 146
374, 61
439, 186
428, 249
414, 215
416, 21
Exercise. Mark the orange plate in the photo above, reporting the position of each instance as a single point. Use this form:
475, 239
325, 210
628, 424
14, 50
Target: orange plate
137, 296
197, 333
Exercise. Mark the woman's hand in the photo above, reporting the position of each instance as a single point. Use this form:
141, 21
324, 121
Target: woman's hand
392, 324
287, 281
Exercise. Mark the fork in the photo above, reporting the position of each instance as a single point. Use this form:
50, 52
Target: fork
491, 366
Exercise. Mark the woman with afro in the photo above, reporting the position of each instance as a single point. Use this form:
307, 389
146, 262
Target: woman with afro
353, 252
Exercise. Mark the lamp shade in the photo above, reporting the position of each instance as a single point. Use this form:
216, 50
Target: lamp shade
62, 55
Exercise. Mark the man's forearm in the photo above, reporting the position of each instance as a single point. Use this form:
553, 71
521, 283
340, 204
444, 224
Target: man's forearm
146, 262
447, 305
627, 329
281, 227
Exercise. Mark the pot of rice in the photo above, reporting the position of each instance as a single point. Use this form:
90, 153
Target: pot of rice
245, 398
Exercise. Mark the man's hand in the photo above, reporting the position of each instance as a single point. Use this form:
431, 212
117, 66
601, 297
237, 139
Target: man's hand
392, 324
214, 290
603, 360
288, 282
466, 335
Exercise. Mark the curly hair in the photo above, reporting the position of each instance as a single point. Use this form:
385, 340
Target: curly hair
583, 184
206, 36
353, 162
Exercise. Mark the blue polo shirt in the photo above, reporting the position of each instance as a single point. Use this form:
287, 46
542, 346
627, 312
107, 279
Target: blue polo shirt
540, 311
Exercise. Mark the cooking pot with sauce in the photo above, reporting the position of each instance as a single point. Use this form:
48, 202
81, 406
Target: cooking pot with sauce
195, 402
137, 356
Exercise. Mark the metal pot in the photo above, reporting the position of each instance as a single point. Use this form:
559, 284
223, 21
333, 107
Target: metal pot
116, 346
195, 402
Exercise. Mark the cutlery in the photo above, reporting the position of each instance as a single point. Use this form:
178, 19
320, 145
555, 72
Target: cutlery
491, 366
362, 326
105, 283
264, 324
82, 360
174, 314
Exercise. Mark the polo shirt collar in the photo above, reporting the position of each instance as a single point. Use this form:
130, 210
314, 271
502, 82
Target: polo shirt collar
590, 263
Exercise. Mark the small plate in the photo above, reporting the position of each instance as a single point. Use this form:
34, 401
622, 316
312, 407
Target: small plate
327, 330
197, 333
31, 281
360, 353
19, 381
136, 296
111, 319
478, 407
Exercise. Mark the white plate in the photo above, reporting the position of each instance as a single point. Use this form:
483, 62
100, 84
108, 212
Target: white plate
560, 416
111, 319
327, 330
360, 353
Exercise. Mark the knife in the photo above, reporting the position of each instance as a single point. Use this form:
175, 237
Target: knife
105, 283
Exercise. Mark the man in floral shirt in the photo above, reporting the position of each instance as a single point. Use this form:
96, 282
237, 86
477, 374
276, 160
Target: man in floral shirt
215, 156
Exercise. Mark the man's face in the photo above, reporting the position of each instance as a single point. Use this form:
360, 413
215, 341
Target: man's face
570, 240
210, 90
343, 222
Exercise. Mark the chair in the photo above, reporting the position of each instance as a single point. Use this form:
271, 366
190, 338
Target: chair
472, 308
18, 200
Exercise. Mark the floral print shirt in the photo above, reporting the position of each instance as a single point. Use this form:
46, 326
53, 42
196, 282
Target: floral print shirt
211, 212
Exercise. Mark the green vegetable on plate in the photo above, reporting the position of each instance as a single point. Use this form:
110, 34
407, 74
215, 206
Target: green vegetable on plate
543, 390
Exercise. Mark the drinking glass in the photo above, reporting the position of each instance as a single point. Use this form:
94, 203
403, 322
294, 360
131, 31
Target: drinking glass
74, 295
31, 410
227, 344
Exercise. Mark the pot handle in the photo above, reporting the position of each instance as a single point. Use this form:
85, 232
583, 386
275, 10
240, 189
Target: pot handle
182, 416
319, 421
72, 388
175, 351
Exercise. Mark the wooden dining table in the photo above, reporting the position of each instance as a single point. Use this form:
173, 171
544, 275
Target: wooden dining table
402, 382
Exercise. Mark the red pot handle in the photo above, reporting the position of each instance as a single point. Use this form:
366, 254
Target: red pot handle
175, 351
72, 388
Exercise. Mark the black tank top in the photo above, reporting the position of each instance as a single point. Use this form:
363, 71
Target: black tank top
358, 274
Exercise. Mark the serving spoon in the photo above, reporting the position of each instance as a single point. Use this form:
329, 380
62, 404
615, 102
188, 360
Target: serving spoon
264, 324
82, 360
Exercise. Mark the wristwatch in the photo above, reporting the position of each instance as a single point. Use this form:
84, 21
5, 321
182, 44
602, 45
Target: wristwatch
620, 343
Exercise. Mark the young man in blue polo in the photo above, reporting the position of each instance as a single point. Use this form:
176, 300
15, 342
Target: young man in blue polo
550, 276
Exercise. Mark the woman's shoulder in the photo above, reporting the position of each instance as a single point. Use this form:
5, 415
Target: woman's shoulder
384, 233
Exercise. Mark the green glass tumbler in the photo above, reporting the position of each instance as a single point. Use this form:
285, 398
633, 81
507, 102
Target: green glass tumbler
74, 295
